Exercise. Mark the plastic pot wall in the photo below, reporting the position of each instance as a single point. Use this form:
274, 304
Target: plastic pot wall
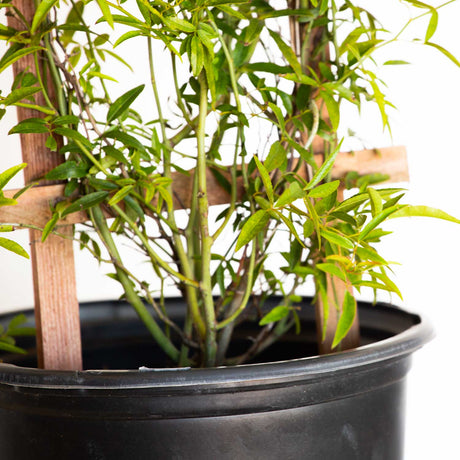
344, 406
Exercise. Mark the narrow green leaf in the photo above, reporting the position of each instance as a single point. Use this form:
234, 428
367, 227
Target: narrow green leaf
396, 62
265, 179
337, 239
85, 202
41, 12
333, 109
388, 282
120, 195
375, 285
11, 348
30, 125
127, 36
20, 94
13, 247
105, 10
279, 116
6, 228
324, 190
346, 319
274, 315
49, 227
332, 269
72, 134
67, 170
7, 175
446, 53
377, 220
432, 25
370, 254
252, 227
424, 211
182, 25
196, 55
287, 52
276, 157
292, 193
324, 169
376, 201
123, 103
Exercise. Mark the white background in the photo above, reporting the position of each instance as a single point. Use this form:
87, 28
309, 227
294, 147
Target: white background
427, 94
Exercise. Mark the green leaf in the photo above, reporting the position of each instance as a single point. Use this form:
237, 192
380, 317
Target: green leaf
332, 269
375, 285
6, 228
292, 193
333, 108
424, 211
279, 116
337, 239
85, 202
267, 67
376, 201
324, 169
196, 55
51, 143
395, 62
442, 50
377, 220
287, 52
391, 286
49, 227
72, 134
30, 125
11, 348
252, 227
127, 36
41, 12
182, 25
346, 319
7, 175
265, 179
122, 193
13, 247
324, 190
123, 103
20, 94
370, 254
433, 24
67, 170
274, 315
126, 139
105, 10
276, 157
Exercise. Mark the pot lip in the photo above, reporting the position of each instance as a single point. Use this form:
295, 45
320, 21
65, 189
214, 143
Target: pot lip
310, 368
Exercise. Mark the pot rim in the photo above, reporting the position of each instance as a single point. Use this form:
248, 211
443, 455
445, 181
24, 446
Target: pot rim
309, 368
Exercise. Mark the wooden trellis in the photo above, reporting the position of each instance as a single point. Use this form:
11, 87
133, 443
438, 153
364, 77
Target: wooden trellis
56, 305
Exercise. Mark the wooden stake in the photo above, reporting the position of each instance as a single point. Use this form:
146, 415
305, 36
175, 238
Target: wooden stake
56, 305
336, 290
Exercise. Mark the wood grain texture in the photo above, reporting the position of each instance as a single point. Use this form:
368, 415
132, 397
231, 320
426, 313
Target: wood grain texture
56, 305
33, 206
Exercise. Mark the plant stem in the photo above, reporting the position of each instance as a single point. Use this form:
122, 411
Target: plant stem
206, 239
132, 297
192, 298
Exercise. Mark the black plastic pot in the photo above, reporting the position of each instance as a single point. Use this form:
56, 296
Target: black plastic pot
344, 406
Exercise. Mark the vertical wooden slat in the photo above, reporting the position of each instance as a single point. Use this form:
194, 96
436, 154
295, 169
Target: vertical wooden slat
336, 290
56, 305
336, 287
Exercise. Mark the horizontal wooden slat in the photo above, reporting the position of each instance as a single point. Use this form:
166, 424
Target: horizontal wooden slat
33, 206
